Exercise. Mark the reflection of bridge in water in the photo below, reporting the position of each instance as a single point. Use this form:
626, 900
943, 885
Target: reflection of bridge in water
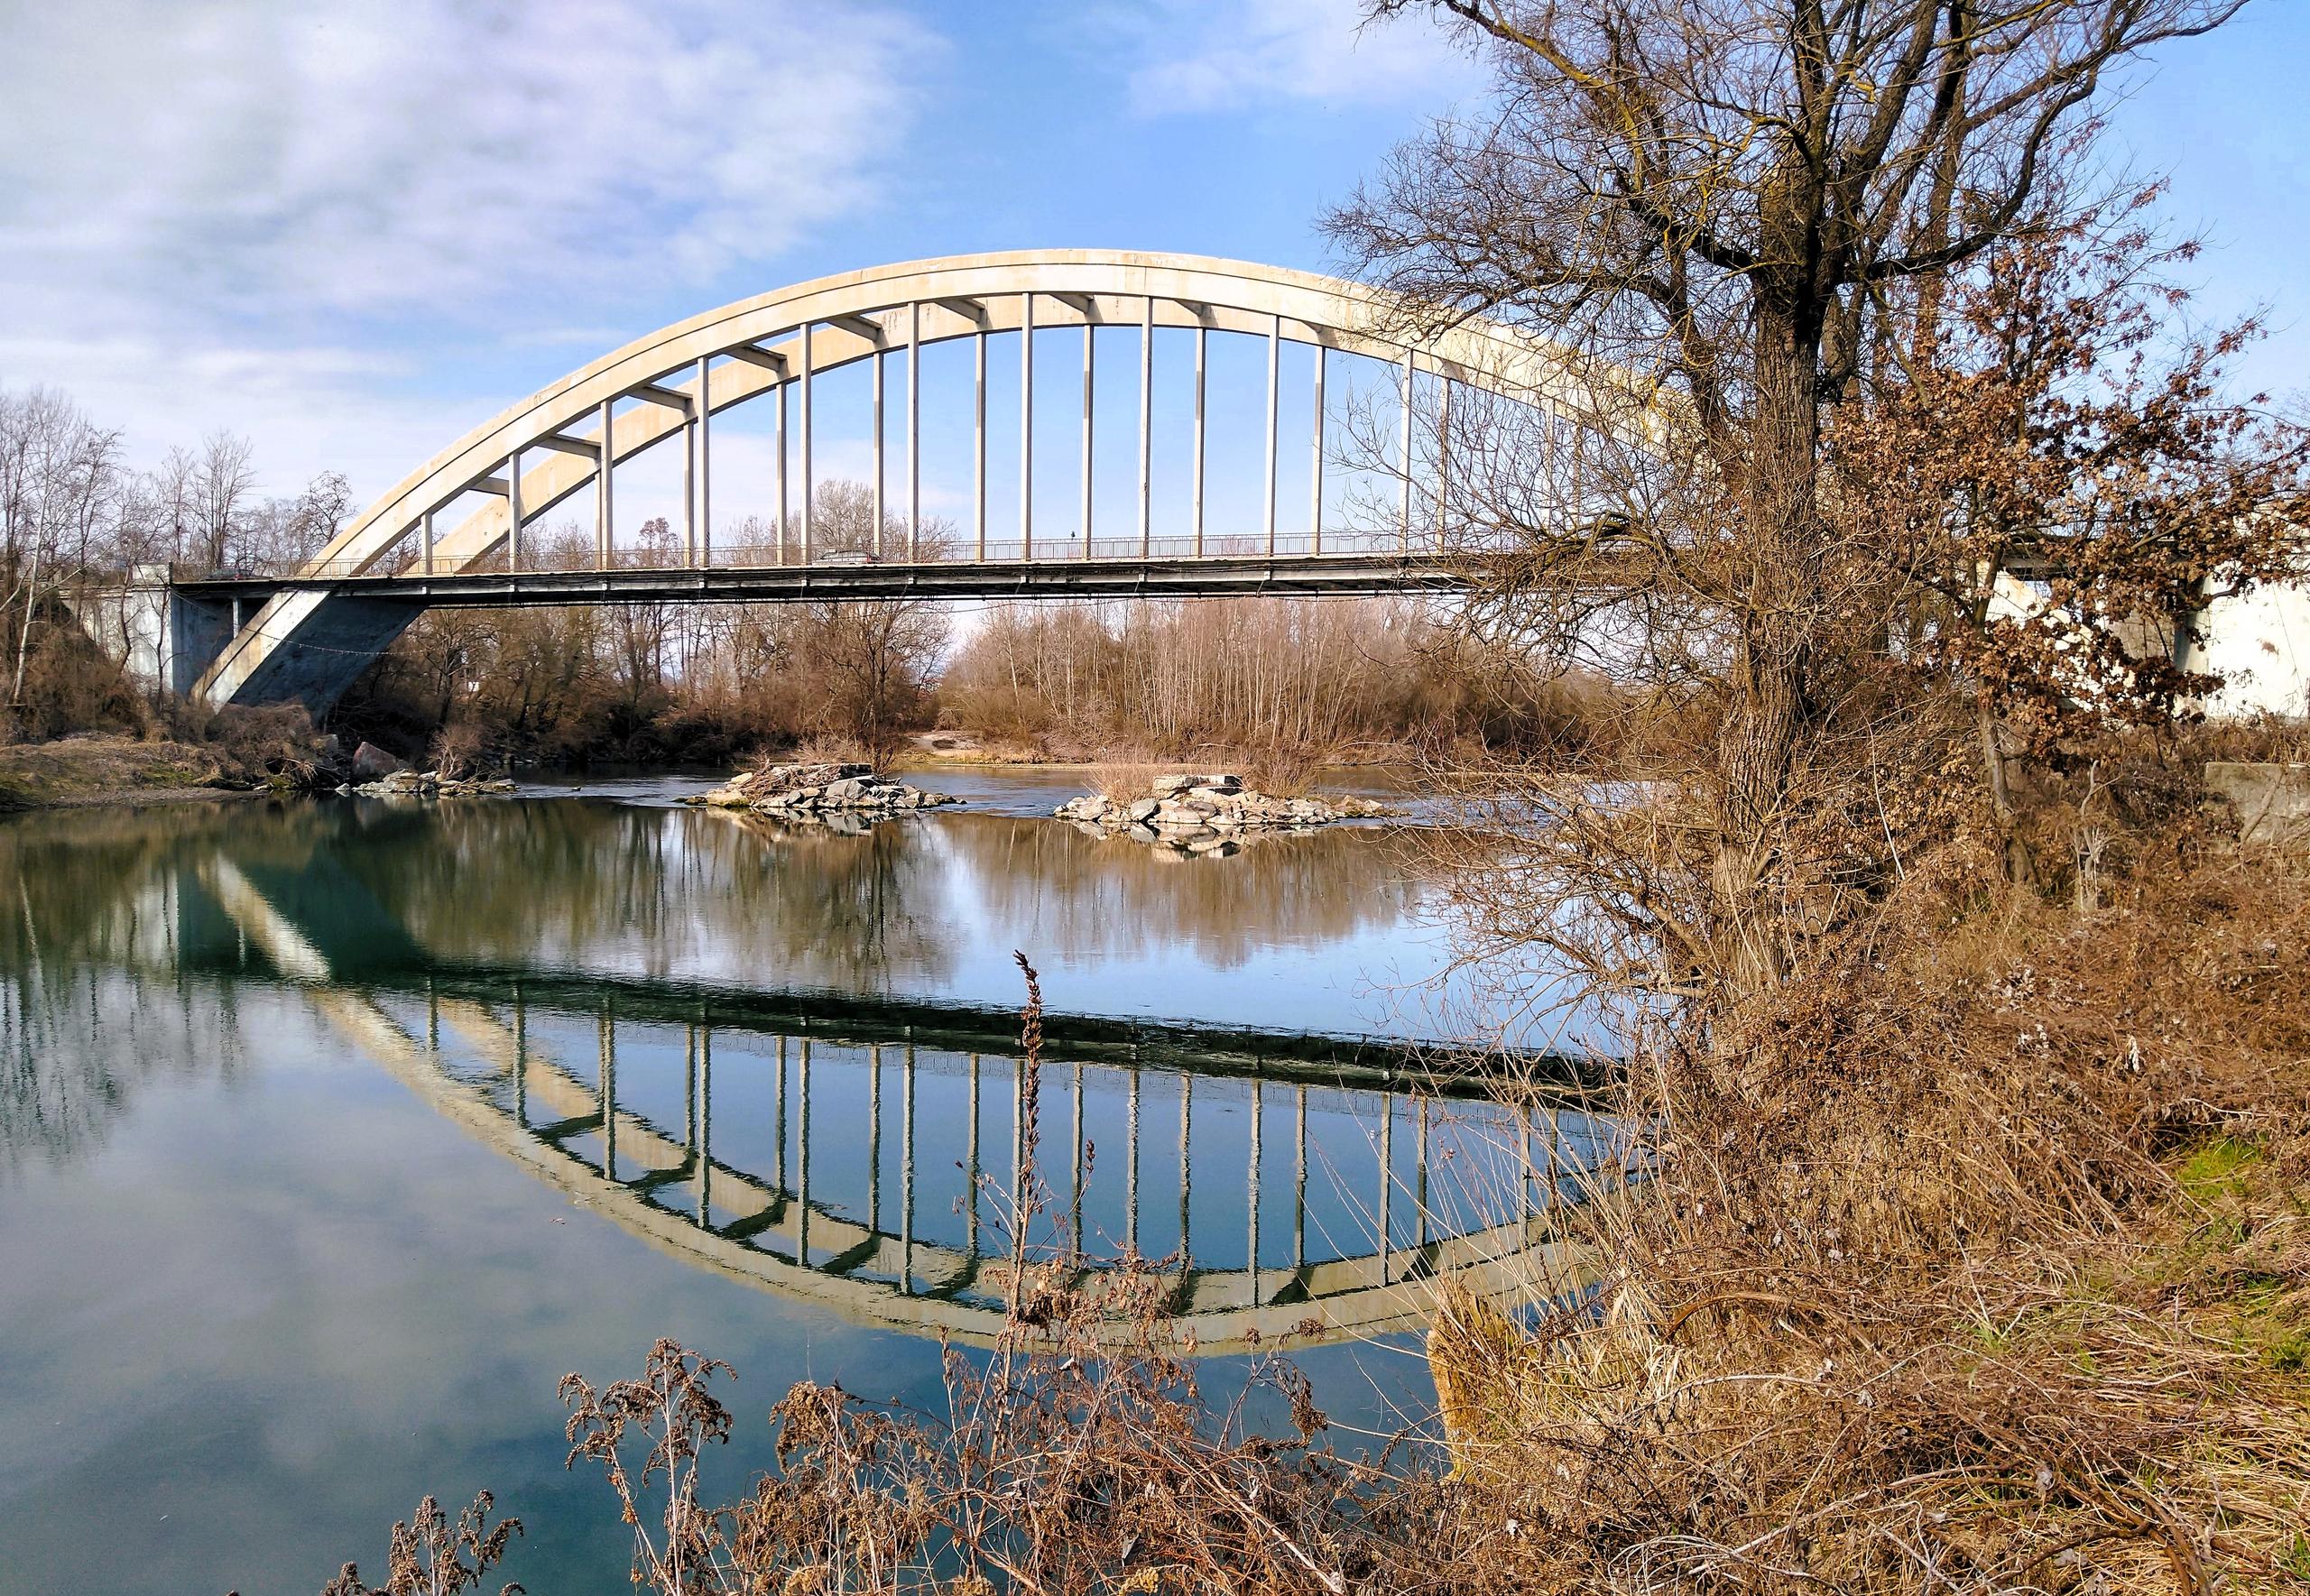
866, 1155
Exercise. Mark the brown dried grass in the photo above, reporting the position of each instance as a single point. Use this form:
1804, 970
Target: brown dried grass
1983, 1264
1122, 780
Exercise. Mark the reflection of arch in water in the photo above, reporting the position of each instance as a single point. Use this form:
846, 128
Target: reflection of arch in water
673, 1189
676, 1191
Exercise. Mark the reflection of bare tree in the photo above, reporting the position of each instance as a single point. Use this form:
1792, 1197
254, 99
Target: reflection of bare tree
1111, 897
89, 884
79, 1046
97, 906
654, 893
857, 908
657, 891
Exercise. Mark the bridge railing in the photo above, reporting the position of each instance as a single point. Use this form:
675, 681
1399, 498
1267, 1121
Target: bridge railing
561, 557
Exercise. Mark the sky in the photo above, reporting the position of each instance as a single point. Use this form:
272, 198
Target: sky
351, 231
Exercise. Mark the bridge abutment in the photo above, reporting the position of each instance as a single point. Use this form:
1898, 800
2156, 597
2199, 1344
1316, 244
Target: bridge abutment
304, 647
162, 635
239, 647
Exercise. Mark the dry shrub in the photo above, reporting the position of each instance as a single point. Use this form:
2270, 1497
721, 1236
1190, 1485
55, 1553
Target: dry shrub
459, 749
821, 748
2270, 739
1078, 1455
1981, 1263
429, 1555
1281, 772
1255, 673
69, 684
1122, 781
995, 710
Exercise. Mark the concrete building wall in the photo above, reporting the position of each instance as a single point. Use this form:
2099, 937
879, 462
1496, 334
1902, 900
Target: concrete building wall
2260, 645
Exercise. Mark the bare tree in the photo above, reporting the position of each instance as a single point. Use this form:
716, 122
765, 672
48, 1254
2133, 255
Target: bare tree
221, 482
286, 532
1722, 195
59, 482
174, 488
869, 663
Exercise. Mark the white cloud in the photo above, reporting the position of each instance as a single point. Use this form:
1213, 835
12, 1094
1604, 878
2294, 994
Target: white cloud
379, 155
262, 204
1208, 55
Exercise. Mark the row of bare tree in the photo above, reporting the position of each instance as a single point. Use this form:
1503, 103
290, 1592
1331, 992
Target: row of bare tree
1307, 677
656, 681
70, 499
71, 507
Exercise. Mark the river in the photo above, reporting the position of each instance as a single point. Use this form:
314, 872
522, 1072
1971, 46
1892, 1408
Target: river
333, 1132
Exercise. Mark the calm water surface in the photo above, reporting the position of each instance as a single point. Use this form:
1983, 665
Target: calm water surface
332, 1133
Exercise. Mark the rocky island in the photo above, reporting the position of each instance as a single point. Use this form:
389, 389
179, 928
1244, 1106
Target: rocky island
823, 787
1205, 813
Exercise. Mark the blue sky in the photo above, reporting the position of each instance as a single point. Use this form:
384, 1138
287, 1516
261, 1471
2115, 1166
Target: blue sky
353, 231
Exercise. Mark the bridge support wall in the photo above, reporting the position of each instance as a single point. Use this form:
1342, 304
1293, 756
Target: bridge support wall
162, 635
2259, 644
324, 641
166, 636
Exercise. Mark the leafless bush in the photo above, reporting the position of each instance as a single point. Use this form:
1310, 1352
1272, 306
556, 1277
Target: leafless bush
1125, 781
826, 748
459, 749
1281, 772
430, 1557
1989, 1274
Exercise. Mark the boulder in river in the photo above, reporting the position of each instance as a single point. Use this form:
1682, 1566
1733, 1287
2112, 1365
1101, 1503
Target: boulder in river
370, 763
430, 784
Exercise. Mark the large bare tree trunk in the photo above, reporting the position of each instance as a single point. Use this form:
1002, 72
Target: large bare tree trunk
1759, 744
2020, 867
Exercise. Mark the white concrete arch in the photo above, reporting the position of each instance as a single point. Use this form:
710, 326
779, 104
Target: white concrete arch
308, 641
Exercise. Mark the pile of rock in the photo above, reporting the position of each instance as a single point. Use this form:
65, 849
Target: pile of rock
820, 789
1204, 813
430, 784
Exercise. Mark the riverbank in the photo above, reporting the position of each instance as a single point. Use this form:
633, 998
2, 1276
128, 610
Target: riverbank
1070, 753
1987, 1259
95, 768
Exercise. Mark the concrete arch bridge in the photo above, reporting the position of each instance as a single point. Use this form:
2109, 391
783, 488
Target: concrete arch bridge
461, 529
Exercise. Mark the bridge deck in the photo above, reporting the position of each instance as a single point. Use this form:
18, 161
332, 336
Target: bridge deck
1152, 577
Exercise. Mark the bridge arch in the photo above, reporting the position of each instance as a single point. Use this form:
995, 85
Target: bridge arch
309, 636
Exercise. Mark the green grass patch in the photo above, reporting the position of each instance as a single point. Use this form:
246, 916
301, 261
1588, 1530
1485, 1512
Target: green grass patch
2289, 1351
2217, 1168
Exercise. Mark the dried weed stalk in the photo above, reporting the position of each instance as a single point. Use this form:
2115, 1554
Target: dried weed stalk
430, 1557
